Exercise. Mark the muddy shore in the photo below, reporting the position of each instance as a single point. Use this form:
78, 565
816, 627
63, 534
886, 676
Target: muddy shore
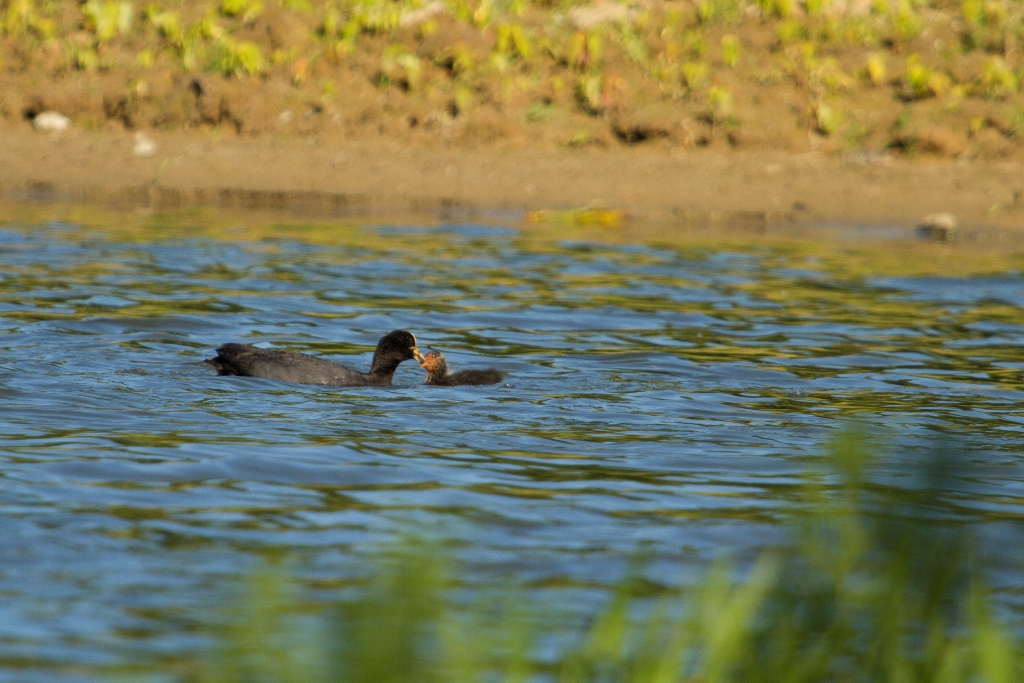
660, 184
762, 112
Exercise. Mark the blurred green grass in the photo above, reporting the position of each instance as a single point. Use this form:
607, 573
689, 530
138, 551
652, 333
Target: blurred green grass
880, 584
920, 76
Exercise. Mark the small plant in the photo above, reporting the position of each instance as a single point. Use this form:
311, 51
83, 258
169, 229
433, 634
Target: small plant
693, 44
540, 112
375, 16
825, 75
905, 25
231, 58
107, 19
247, 9
921, 82
399, 68
984, 25
815, 7
590, 93
457, 59
1015, 117
719, 11
720, 100
328, 89
632, 44
85, 58
22, 17
481, 16
875, 71
512, 41
581, 138
828, 119
997, 80
904, 137
791, 31
463, 100
331, 25
412, 70
695, 75
719, 109
780, 9
167, 24
730, 50
584, 50
146, 58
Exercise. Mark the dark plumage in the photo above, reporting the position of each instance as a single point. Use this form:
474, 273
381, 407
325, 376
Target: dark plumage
290, 366
438, 375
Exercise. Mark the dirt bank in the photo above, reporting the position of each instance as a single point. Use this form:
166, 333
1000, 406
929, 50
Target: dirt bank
729, 111
659, 183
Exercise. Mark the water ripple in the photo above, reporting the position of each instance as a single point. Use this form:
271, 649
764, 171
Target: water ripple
667, 394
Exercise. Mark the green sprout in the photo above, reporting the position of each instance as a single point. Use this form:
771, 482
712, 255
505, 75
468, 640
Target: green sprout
875, 71
540, 112
590, 93
167, 24
998, 81
633, 44
922, 82
85, 58
905, 23
815, 7
247, 9
146, 58
375, 16
399, 67
719, 11
828, 119
231, 58
780, 9
22, 17
512, 41
719, 103
984, 25
107, 20
695, 75
693, 44
584, 50
730, 50
458, 59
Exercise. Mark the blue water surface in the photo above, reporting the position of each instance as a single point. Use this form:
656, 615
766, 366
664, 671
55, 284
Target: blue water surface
661, 396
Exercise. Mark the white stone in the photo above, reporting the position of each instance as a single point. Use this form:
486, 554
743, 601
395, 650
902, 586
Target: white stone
848, 8
144, 145
418, 16
51, 121
937, 226
601, 13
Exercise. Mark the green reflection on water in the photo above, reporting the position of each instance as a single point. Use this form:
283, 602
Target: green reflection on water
790, 281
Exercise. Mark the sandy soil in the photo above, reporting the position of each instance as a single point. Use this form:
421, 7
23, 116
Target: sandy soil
667, 111
662, 184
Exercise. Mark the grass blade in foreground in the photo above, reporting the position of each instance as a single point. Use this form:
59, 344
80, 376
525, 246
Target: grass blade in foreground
878, 585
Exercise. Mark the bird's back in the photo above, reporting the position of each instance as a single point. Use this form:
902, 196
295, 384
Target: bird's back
474, 377
245, 360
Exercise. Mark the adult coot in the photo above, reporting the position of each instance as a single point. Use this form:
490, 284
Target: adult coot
438, 375
289, 366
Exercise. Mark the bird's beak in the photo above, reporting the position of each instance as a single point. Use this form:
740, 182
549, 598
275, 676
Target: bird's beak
417, 355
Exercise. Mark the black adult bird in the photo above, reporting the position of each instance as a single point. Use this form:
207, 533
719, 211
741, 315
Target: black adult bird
438, 375
290, 366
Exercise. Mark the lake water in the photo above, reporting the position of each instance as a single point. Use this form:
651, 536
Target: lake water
665, 390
